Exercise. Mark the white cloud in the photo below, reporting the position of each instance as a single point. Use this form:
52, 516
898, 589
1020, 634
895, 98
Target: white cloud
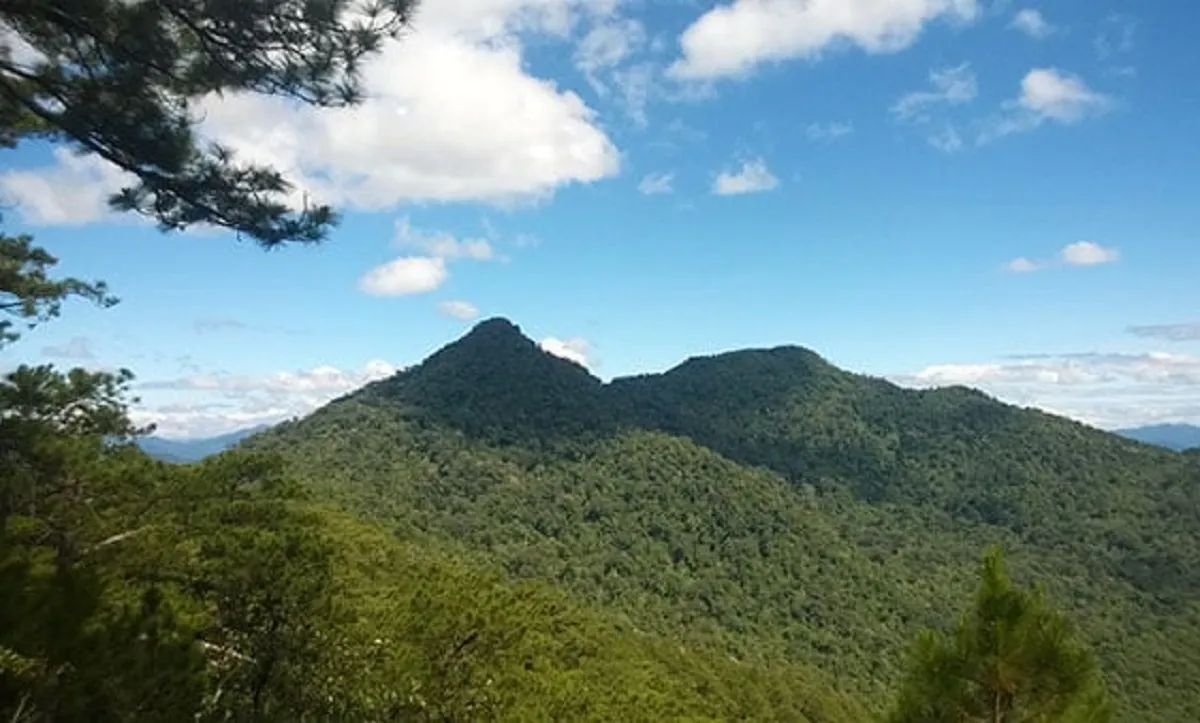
453, 113
1047, 94
830, 131
574, 350
1032, 23
79, 348
421, 274
732, 39
72, 192
752, 177
657, 183
1107, 390
14, 47
954, 85
1087, 253
229, 402
607, 44
405, 276
442, 245
636, 85
1058, 96
1022, 265
459, 309
1079, 253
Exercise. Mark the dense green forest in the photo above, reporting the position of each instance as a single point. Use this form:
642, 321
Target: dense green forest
496, 534
769, 505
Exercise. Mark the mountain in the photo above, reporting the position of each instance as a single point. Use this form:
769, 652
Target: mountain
1172, 436
770, 505
194, 450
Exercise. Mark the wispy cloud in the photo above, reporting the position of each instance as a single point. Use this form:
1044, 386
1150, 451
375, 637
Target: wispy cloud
947, 140
752, 177
1115, 37
1032, 23
442, 245
954, 85
1187, 331
219, 324
1080, 253
1022, 265
826, 132
459, 309
79, 348
654, 184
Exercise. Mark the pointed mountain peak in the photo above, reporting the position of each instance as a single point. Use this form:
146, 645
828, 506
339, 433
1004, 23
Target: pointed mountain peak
495, 327
498, 384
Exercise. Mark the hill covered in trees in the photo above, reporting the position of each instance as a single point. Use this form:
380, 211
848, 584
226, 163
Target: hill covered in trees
772, 507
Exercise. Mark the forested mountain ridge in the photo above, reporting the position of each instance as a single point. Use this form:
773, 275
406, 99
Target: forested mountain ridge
1178, 437
770, 504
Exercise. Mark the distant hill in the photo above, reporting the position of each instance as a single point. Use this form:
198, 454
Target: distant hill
1172, 436
766, 503
194, 450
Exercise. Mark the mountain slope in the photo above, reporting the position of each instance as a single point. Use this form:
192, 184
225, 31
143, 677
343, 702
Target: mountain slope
769, 504
1172, 436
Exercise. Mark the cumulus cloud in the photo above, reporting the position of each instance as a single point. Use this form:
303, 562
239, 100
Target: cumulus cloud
1079, 253
1047, 95
1059, 96
1189, 331
734, 38
419, 274
459, 310
453, 113
229, 402
405, 276
953, 85
654, 184
1022, 265
1108, 390
574, 350
1087, 253
752, 177
79, 348
831, 131
1032, 23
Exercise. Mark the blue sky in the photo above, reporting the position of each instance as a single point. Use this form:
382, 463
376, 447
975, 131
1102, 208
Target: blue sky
938, 191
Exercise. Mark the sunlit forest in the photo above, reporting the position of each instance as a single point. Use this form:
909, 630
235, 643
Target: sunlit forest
496, 534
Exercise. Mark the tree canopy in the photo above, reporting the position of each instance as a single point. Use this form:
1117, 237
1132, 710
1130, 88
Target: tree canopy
119, 80
1010, 659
